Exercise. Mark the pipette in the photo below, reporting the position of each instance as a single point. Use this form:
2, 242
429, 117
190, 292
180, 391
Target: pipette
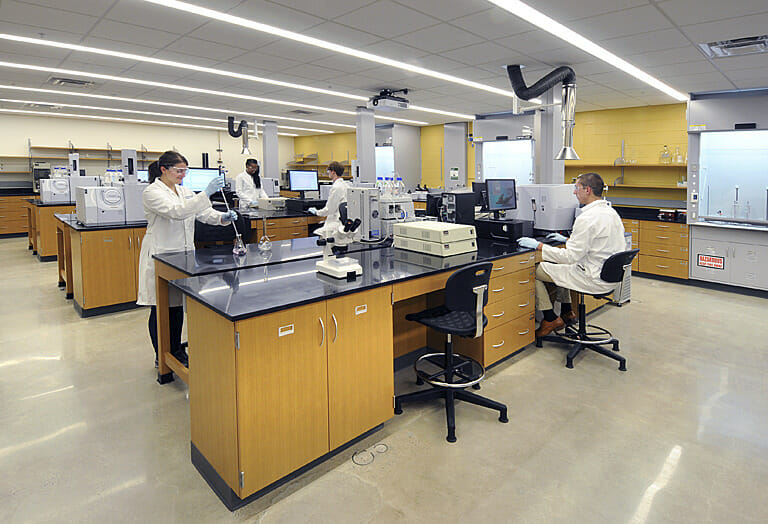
239, 248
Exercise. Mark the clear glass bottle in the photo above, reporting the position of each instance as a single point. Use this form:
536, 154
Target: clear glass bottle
665, 157
399, 186
678, 158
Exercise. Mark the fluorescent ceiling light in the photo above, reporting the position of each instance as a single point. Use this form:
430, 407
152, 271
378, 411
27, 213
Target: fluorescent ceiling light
209, 70
117, 119
151, 113
542, 21
176, 87
171, 104
325, 44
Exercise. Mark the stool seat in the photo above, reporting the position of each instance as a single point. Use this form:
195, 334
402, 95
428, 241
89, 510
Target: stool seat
442, 319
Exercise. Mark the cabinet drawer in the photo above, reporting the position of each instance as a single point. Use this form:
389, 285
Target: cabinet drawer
630, 223
8, 227
508, 285
669, 267
507, 338
286, 222
12, 213
648, 225
510, 308
288, 233
664, 250
666, 237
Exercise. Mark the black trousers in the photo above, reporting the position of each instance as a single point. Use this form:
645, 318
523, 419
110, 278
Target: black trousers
176, 320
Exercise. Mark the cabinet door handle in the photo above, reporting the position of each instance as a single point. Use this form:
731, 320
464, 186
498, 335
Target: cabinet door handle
285, 330
322, 325
335, 327
523, 332
524, 305
498, 268
130, 242
499, 315
523, 281
497, 290
498, 345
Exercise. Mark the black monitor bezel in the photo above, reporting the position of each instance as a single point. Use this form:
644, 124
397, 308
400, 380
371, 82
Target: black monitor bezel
488, 196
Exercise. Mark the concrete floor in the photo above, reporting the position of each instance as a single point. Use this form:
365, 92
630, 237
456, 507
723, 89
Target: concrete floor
89, 436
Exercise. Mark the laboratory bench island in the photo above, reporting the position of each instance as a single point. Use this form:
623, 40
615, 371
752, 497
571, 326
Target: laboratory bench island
288, 366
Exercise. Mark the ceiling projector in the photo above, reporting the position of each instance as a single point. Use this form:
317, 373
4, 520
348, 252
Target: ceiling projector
387, 101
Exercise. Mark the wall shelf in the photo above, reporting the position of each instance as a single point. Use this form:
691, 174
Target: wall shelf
599, 164
629, 186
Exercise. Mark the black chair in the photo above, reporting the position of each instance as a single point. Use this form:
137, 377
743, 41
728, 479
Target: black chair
586, 336
206, 234
466, 294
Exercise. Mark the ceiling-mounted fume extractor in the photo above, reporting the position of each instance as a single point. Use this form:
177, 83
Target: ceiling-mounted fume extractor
562, 75
242, 130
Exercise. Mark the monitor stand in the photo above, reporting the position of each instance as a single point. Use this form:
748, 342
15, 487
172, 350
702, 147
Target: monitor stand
301, 195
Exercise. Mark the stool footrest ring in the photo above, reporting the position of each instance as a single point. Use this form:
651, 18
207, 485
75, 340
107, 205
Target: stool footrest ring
467, 370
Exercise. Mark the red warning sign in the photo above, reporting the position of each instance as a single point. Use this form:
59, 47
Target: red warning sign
711, 262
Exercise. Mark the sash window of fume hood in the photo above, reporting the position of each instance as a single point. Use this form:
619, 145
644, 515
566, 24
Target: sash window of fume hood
508, 159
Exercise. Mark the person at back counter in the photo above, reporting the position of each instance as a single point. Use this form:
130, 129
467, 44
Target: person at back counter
248, 184
597, 234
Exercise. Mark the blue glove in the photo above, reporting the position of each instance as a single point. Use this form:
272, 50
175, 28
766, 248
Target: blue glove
557, 237
229, 216
312, 210
528, 242
214, 185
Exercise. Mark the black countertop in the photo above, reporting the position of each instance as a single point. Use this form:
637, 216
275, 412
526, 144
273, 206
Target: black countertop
217, 259
71, 220
15, 191
40, 203
246, 293
642, 213
255, 213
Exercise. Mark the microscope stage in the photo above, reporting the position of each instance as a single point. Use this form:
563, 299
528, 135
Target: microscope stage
339, 267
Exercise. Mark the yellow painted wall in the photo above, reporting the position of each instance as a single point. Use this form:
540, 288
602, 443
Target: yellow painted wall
338, 146
432, 140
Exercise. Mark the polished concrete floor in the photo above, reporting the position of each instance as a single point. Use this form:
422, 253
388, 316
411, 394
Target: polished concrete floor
682, 437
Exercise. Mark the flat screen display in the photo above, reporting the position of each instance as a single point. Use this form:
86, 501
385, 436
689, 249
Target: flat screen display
197, 178
142, 175
501, 194
303, 180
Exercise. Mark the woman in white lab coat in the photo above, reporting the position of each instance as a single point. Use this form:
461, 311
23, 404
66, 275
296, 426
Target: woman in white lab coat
171, 210
336, 197
248, 184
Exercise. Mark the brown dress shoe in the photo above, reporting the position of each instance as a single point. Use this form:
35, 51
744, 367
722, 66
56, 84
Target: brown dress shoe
545, 328
570, 317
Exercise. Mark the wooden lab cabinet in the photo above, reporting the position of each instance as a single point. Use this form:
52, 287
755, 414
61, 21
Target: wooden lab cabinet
280, 228
663, 249
105, 266
272, 393
13, 215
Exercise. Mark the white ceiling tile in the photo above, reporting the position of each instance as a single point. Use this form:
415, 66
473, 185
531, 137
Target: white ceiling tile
677, 55
155, 72
727, 29
479, 53
531, 42
493, 24
699, 82
130, 33
344, 63
748, 74
645, 42
358, 82
204, 49
28, 53
438, 38
166, 54
295, 51
385, 73
691, 67
584, 106
445, 10
79, 64
85, 7
563, 56
327, 9
735, 63
615, 80
276, 15
566, 11
386, 19
260, 61
620, 23
437, 63
228, 34
394, 50
307, 71
45, 17
155, 16
686, 12
753, 83
340, 34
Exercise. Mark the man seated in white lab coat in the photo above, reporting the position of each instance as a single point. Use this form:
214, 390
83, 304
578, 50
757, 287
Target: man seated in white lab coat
597, 234
336, 197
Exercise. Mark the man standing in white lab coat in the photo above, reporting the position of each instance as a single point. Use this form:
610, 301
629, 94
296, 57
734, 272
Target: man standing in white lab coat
336, 197
597, 234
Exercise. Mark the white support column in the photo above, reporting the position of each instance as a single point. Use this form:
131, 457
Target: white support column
270, 163
366, 144
548, 133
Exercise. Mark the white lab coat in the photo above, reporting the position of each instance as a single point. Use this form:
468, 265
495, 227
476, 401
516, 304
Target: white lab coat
246, 190
336, 197
597, 234
170, 227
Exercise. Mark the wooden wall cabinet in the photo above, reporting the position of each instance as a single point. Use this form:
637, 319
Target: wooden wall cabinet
303, 382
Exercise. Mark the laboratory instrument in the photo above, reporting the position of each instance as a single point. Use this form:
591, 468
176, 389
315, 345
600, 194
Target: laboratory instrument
435, 238
552, 207
239, 247
334, 264
459, 207
271, 186
272, 203
364, 203
98, 206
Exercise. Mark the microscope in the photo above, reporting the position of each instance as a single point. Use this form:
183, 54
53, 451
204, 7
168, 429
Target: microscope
334, 263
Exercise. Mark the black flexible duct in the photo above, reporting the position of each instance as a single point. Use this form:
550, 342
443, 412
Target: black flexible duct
234, 133
562, 74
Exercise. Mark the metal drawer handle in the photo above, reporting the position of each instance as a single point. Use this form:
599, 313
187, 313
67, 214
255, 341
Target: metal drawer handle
662, 267
285, 330
296, 222
335, 327
524, 305
523, 332
498, 268
660, 226
323, 326
499, 315
295, 234
523, 281
663, 250
663, 238
497, 290
498, 345
524, 262
359, 310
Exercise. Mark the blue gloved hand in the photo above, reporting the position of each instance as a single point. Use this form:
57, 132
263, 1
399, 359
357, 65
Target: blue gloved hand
528, 242
229, 216
312, 210
557, 237
214, 185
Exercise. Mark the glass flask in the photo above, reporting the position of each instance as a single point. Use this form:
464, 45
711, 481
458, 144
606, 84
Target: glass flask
265, 244
239, 248
665, 157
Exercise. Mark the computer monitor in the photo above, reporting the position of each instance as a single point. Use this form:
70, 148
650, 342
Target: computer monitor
198, 178
302, 181
481, 195
501, 195
142, 175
